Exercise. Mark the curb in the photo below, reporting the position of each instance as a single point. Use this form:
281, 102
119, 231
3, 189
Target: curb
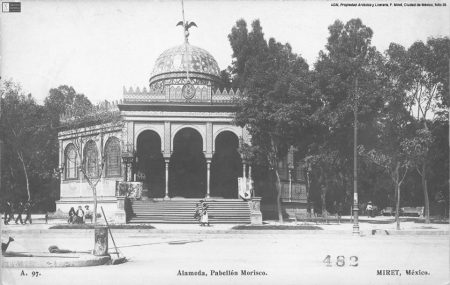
418, 233
65, 260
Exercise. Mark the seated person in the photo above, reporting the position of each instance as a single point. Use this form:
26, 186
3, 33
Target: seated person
87, 213
72, 216
80, 215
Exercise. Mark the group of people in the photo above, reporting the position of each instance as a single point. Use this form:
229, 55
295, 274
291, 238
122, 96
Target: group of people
79, 216
201, 213
22, 208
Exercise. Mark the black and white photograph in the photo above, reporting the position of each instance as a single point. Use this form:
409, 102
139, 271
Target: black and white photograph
224, 142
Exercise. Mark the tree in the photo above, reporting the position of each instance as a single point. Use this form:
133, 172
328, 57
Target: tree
60, 101
348, 58
396, 165
24, 132
394, 125
266, 70
423, 71
91, 178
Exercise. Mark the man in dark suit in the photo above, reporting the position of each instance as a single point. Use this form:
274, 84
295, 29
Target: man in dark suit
8, 213
28, 206
19, 213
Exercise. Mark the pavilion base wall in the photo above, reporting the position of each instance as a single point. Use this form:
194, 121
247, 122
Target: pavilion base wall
109, 205
290, 210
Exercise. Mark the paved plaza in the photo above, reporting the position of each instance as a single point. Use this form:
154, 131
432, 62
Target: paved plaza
185, 254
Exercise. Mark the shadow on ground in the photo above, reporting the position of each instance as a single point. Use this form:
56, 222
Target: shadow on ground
276, 227
91, 226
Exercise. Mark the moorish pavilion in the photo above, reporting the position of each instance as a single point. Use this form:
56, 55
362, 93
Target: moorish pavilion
170, 145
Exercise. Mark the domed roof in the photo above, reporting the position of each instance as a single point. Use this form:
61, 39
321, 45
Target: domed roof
185, 57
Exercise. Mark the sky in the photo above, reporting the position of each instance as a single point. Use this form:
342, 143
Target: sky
98, 47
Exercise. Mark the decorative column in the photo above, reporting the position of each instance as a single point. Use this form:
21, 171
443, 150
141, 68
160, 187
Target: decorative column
61, 152
101, 154
209, 155
127, 159
131, 176
252, 192
167, 152
208, 178
167, 180
125, 172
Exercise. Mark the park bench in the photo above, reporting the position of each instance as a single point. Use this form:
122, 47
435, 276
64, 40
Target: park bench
318, 219
412, 211
388, 211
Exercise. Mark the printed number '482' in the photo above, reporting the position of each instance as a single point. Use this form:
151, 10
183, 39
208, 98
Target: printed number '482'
340, 261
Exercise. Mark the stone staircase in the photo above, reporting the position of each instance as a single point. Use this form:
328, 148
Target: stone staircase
181, 211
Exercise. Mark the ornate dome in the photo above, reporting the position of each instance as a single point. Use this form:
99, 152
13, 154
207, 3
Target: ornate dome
176, 61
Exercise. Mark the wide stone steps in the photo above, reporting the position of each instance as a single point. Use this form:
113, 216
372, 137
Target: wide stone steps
232, 211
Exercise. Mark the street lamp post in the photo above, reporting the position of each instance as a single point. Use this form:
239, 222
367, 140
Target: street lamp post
355, 165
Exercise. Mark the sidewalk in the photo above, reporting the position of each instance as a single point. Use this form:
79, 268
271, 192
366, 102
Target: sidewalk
55, 260
367, 226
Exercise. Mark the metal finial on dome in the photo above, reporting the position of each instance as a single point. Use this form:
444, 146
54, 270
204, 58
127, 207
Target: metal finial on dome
185, 24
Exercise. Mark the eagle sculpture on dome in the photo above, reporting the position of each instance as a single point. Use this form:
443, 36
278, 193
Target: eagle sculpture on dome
186, 25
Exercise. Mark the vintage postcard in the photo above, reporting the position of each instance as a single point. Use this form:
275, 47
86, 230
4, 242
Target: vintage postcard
224, 142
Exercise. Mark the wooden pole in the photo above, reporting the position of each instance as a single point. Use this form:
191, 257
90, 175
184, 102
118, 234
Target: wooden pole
110, 233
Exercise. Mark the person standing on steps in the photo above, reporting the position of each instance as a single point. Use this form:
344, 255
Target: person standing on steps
197, 214
204, 219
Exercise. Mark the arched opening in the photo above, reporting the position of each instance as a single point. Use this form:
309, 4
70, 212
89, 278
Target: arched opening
71, 162
226, 166
150, 163
187, 168
91, 159
112, 157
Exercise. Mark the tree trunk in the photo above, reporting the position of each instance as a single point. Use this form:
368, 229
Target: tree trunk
94, 214
397, 218
308, 202
323, 200
26, 174
425, 193
323, 191
397, 192
278, 186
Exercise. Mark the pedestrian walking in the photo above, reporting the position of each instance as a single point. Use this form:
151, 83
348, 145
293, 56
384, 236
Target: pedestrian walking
20, 209
8, 213
338, 209
28, 207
